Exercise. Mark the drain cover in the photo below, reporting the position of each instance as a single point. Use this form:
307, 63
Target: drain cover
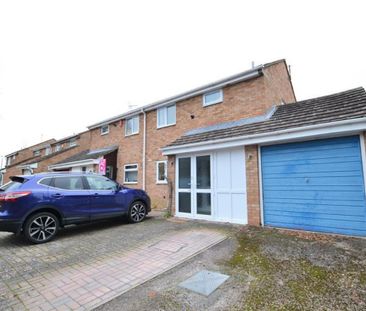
204, 282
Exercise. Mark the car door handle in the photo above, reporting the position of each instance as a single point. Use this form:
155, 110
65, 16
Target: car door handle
57, 195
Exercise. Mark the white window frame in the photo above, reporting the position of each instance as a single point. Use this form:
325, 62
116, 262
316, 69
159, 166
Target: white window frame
165, 181
220, 100
8, 161
130, 170
58, 147
165, 111
138, 125
104, 132
48, 150
72, 142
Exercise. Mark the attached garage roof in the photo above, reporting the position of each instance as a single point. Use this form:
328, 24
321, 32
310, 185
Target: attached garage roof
341, 106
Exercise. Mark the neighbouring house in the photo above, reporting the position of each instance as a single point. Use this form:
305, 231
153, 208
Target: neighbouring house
37, 158
239, 150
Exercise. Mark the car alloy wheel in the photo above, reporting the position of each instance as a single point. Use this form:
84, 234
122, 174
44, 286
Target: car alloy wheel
137, 212
41, 227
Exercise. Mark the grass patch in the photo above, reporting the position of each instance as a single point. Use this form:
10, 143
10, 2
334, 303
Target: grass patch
292, 284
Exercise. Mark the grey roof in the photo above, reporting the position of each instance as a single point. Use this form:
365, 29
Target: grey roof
341, 106
242, 76
88, 155
226, 125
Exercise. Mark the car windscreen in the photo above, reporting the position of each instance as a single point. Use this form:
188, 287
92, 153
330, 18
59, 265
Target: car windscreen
14, 184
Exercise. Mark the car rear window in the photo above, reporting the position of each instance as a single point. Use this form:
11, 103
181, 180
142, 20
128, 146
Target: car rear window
68, 183
45, 181
14, 184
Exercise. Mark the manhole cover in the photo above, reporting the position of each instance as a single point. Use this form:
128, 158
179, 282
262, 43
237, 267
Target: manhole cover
204, 282
169, 246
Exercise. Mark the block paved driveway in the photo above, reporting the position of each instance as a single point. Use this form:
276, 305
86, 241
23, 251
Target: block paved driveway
86, 266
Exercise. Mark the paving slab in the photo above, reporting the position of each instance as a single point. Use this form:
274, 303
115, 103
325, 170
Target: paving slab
86, 285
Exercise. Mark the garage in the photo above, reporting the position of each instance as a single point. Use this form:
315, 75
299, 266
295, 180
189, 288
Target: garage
212, 186
315, 185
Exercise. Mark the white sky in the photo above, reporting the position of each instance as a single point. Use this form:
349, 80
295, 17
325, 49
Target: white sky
67, 64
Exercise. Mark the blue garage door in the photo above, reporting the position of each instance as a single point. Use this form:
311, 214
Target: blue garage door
315, 185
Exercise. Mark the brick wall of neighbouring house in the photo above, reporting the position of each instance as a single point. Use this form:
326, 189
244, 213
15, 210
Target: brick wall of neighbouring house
83, 143
253, 191
27, 153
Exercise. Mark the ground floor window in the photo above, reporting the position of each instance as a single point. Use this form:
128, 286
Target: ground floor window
161, 172
131, 171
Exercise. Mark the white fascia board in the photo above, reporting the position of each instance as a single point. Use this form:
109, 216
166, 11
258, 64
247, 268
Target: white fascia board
247, 76
339, 128
75, 163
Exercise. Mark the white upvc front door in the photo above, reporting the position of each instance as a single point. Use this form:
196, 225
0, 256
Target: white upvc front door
194, 186
212, 186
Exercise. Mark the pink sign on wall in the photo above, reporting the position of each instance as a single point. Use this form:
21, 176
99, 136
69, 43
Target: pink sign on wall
102, 166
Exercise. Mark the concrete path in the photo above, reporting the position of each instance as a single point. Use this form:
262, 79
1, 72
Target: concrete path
85, 286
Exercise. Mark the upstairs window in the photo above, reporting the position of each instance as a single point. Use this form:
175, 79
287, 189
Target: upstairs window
36, 152
132, 126
57, 147
104, 130
166, 116
8, 160
213, 97
48, 150
72, 142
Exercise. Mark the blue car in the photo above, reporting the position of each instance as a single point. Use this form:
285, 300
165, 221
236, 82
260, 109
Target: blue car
38, 205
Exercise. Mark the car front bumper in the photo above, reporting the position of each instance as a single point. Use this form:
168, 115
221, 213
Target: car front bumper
10, 225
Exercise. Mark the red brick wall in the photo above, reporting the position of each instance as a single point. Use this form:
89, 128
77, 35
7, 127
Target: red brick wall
83, 143
242, 100
253, 192
278, 83
27, 153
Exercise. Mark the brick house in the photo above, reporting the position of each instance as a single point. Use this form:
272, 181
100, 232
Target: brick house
238, 150
141, 133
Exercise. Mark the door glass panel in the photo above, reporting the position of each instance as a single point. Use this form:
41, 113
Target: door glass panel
184, 202
184, 173
203, 172
204, 203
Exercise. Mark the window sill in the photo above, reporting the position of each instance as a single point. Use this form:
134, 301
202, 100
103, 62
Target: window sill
133, 134
164, 126
161, 182
213, 103
130, 183
102, 134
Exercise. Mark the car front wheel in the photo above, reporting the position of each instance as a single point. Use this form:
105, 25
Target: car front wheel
137, 212
41, 228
